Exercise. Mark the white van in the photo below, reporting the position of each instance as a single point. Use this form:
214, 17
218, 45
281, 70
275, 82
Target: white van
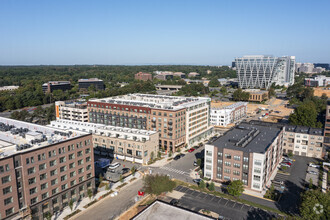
113, 166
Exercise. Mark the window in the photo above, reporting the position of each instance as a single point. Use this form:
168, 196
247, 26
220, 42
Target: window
5, 179
256, 178
33, 190
87, 151
89, 175
81, 179
8, 200
72, 165
53, 172
235, 172
227, 170
237, 165
9, 211
52, 163
53, 182
32, 180
257, 170
88, 167
219, 176
257, 162
220, 161
245, 159
44, 195
226, 177
7, 190
43, 176
80, 153
81, 170
44, 186
73, 182
237, 158
228, 164
62, 159
42, 166
54, 191
64, 177
88, 159
219, 154
71, 156
31, 170
62, 169
63, 187
256, 185
72, 174
244, 182
228, 156
80, 162
245, 167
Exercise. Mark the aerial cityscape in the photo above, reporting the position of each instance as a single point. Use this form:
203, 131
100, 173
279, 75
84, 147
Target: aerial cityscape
158, 110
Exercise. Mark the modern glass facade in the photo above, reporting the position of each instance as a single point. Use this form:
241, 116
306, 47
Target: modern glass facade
262, 71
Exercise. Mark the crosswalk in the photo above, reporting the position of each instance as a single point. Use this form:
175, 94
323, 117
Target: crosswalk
174, 170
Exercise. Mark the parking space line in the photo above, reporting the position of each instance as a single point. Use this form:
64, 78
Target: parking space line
226, 202
220, 199
234, 204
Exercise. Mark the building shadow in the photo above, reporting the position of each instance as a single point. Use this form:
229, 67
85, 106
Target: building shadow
256, 214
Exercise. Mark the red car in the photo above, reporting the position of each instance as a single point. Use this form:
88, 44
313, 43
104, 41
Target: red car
191, 150
288, 163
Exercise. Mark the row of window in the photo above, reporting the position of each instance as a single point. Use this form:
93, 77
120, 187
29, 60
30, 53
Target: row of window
4, 168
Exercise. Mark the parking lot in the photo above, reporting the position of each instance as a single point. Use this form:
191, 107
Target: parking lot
229, 209
312, 173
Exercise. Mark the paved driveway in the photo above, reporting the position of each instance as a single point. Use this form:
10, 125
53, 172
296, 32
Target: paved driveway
195, 201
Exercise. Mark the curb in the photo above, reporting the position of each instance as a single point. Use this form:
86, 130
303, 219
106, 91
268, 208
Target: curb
258, 197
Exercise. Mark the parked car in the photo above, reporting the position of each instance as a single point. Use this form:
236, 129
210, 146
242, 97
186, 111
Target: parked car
314, 165
113, 166
277, 182
197, 181
195, 164
287, 158
174, 202
312, 172
191, 150
287, 162
124, 170
177, 157
285, 165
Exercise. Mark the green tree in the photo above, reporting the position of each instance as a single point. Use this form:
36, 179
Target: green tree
90, 194
310, 183
107, 187
152, 155
159, 154
100, 178
305, 114
121, 178
240, 95
169, 153
315, 205
157, 184
211, 186
271, 92
71, 204
214, 83
199, 162
48, 215
223, 90
202, 184
235, 188
133, 170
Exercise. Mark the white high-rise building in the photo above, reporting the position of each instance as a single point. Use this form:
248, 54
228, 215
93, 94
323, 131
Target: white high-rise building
261, 71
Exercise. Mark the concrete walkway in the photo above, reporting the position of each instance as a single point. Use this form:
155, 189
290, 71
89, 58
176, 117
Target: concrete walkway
80, 205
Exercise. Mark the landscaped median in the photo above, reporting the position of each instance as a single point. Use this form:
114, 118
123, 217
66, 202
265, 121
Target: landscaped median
216, 193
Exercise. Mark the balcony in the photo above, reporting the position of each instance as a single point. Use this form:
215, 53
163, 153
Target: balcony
170, 123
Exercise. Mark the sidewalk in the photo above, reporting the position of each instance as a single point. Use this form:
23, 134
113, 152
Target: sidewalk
80, 205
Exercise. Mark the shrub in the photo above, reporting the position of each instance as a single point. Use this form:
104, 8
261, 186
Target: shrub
211, 186
235, 188
202, 184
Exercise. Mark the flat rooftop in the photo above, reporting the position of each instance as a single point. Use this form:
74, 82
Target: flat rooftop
248, 137
90, 80
57, 83
163, 211
154, 101
19, 136
229, 105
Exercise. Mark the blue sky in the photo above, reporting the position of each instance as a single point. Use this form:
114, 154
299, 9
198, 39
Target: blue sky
205, 32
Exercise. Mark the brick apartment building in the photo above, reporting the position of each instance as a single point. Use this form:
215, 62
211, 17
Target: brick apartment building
178, 120
69, 110
249, 152
143, 76
42, 169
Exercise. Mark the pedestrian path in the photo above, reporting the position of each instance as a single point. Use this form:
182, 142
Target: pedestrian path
174, 170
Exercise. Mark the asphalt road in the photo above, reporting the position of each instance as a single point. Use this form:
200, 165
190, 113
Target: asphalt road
112, 207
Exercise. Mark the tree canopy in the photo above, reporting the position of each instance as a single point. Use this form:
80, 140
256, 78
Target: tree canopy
157, 184
214, 83
235, 188
240, 95
315, 205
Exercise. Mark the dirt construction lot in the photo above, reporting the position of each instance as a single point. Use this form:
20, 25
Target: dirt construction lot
320, 91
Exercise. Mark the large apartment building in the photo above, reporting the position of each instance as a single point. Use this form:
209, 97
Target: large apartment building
303, 141
130, 144
71, 110
225, 115
42, 168
259, 71
249, 152
327, 129
178, 120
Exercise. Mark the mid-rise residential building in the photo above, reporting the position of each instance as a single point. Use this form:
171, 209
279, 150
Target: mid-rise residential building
84, 84
303, 141
178, 120
249, 152
71, 110
326, 66
317, 81
259, 71
42, 168
143, 76
225, 115
8, 88
308, 68
327, 129
130, 144
56, 85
